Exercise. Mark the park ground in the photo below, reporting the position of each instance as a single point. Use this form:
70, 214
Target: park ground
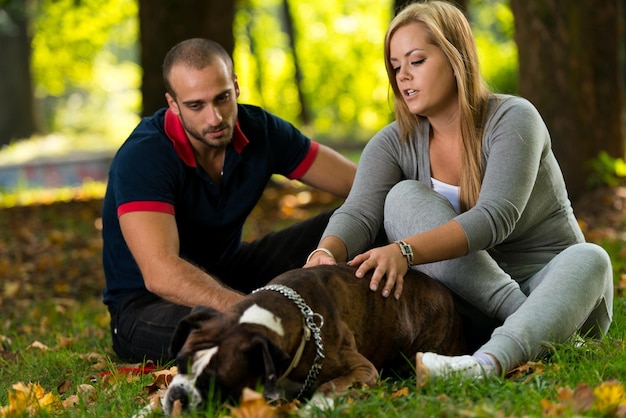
50, 255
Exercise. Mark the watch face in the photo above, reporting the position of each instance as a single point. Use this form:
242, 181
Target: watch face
406, 251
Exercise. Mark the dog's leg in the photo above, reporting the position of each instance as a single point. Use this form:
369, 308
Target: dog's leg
358, 369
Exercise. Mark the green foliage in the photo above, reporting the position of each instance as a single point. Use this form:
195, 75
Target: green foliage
606, 171
493, 26
87, 78
70, 35
84, 64
339, 49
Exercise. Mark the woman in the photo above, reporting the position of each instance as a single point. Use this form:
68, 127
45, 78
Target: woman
469, 192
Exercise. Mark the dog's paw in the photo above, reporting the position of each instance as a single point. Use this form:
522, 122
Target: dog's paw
318, 402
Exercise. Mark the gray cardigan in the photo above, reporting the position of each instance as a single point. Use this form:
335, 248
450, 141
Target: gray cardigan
523, 213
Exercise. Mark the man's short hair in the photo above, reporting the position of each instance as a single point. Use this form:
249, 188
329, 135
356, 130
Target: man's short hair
195, 53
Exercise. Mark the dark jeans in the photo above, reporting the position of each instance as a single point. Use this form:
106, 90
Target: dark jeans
142, 324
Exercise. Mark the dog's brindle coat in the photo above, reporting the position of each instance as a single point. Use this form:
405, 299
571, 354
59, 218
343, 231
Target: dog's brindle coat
255, 340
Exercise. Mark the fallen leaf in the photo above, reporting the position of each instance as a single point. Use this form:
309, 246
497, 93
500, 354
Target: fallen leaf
87, 392
253, 405
551, 409
564, 394
400, 393
530, 367
583, 399
620, 289
161, 379
10, 289
29, 400
609, 395
64, 386
100, 361
5, 343
70, 402
38, 345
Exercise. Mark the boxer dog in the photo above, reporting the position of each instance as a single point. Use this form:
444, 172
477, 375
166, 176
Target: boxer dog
318, 329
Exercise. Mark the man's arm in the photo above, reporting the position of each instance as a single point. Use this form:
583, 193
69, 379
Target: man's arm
331, 172
153, 240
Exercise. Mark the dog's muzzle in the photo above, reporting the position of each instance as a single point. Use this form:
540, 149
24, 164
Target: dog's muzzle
183, 390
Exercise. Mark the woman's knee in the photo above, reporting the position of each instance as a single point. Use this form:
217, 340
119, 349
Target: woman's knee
403, 191
591, 265
412, 207
411, 197
599, 262
594, 258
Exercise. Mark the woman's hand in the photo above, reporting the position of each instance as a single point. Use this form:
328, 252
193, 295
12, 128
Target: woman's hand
387, 261
320, 256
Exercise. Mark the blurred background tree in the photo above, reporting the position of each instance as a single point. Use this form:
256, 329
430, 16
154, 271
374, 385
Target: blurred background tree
571, 69
164, 23
96, 64
18, 119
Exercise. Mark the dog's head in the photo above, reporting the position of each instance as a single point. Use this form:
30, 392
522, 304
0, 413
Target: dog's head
217, 357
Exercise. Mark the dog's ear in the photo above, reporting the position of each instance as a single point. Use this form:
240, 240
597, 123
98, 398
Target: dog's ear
192, 321
275, 361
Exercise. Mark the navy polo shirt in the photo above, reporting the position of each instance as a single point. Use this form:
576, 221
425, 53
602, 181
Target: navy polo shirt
156, 170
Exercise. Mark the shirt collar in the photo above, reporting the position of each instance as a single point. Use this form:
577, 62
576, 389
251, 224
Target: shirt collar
176, 133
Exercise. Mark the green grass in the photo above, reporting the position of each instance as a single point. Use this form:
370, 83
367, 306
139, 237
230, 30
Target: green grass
54, 333
568, 367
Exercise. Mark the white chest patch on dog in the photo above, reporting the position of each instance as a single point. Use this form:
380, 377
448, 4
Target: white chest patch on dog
261, 316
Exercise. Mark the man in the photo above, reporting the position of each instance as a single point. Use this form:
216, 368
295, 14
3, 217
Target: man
180, 189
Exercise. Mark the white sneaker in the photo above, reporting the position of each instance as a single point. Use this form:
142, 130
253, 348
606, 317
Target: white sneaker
434, 366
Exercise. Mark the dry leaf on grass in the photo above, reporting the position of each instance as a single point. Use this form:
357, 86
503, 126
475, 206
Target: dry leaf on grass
253, 405
38, 345
400, 393
64, 387
161, 379
608, 400
528, 368
29, 400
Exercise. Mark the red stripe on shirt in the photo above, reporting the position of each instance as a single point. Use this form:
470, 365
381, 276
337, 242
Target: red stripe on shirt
176, 133
239, 139
145, 206
306, 163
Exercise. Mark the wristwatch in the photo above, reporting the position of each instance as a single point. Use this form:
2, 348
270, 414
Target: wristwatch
406, 251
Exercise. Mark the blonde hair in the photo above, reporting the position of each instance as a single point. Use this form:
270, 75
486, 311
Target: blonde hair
448, 29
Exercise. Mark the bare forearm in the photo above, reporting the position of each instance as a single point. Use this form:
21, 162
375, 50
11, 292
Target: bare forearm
184, 284
442, 243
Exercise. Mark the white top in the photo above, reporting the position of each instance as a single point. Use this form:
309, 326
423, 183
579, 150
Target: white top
448, 191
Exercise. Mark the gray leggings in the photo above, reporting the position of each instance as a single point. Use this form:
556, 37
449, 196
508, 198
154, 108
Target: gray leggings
539, 303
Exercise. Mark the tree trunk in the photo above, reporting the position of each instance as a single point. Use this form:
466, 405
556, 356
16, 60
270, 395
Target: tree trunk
164, 23
569, 67
17, 117
305, 114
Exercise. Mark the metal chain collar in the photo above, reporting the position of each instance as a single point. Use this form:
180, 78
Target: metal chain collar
309, 320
